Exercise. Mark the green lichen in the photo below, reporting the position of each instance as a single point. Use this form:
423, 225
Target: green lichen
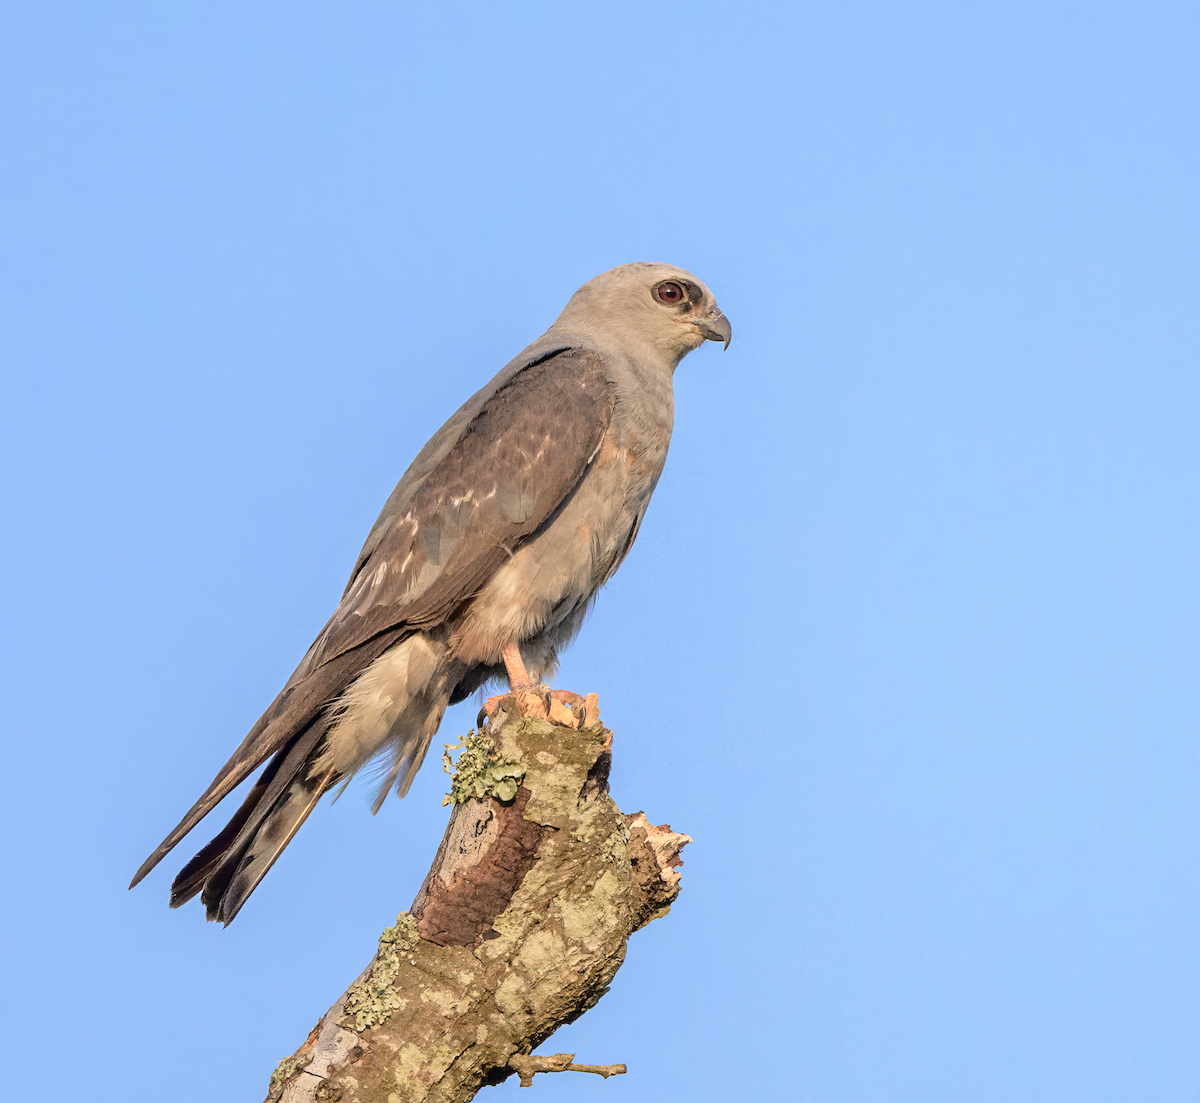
479, 772
372, 1000
284, 1071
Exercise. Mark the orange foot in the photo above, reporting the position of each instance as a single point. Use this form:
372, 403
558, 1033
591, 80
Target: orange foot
560, 706
531, 701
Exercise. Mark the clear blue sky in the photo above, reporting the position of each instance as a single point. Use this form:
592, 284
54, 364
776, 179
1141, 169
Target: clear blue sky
908, 642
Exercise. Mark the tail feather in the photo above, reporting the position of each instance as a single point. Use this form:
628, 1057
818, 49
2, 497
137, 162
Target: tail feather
190, 880
408, 754
239, 875
298, 705
228, 869
372, 717
288, 789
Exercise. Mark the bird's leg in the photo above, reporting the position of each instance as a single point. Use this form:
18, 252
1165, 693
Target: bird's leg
559, 705
518, 676
531, 700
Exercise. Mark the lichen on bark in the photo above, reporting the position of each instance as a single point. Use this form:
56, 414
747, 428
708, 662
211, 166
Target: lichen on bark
372, 998
480, 772
284, 1071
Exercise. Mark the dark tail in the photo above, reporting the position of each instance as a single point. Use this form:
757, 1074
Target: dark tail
230, 867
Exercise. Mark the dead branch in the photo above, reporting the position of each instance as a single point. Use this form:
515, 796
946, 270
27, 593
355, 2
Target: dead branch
527, 1067
519, 927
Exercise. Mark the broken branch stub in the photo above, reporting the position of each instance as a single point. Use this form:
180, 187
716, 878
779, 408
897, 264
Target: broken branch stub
519, 927
527, 1067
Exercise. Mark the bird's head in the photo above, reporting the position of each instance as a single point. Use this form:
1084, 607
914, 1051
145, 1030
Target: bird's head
647, 305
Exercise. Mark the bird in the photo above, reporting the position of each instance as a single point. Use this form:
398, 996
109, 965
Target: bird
481, 565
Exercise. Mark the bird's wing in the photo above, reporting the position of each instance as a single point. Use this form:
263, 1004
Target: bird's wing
509, 470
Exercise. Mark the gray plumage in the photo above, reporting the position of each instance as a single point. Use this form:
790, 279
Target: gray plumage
499, 533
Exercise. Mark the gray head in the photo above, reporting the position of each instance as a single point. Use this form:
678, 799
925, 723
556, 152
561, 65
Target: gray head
657, 307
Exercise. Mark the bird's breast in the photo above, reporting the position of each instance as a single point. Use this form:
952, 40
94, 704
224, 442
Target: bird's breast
557, 570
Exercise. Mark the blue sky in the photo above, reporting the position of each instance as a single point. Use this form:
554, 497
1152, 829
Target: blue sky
908, 640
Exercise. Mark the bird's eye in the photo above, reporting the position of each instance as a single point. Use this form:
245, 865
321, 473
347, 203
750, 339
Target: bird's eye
670, 293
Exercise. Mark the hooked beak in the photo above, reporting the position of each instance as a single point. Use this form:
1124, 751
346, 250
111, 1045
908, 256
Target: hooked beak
715, 327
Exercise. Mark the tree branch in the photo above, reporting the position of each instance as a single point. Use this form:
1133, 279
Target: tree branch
519, 927
527, 1067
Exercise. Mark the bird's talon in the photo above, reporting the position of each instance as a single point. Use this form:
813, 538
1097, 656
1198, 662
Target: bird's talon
560, 713
533, 701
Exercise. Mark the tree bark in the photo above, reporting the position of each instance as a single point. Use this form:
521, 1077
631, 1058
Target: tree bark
519, 927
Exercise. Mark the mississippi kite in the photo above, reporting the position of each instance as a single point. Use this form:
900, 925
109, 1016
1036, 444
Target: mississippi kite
481, 564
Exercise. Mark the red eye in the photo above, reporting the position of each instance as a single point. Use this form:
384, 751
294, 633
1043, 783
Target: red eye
670, 293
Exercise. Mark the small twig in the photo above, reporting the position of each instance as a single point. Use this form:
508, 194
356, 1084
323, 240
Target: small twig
526, 1066
602, 1070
